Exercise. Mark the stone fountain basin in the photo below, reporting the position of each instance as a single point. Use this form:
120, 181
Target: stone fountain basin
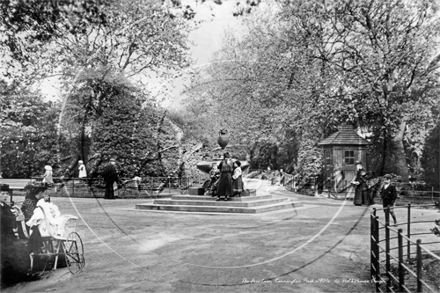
205, 166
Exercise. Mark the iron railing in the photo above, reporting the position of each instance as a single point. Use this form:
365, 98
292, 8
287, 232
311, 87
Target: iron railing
398, 265
125, 188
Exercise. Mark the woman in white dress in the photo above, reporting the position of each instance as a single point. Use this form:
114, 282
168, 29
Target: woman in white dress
47, 177
82, 172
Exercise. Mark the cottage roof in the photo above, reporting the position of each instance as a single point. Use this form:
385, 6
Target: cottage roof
345, 135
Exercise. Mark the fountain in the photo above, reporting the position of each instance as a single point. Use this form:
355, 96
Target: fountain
223, 140
197, 202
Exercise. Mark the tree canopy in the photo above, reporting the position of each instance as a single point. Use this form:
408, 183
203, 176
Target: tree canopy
297, 70
306, 66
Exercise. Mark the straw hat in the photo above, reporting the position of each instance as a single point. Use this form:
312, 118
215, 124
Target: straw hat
48, 168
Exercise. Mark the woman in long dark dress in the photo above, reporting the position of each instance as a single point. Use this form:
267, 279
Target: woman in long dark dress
361, 196
224, 188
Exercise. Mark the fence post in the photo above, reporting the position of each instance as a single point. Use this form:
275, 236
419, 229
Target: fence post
372, 247
419, 266
387, 248
408, 233
376, 252
401, 270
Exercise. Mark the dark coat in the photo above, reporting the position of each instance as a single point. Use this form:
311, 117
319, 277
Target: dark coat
225, 182
361, 196
7, 222
110, 176
389, 194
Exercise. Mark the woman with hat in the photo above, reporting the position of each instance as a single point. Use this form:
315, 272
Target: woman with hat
361, 191
226, 167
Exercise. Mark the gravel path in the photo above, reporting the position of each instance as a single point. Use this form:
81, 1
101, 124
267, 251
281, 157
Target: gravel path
320, 247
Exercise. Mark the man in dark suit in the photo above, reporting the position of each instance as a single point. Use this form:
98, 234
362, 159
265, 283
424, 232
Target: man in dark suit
110, 176
388, 193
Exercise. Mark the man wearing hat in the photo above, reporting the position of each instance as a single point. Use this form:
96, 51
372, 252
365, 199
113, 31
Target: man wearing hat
110, 176
388, 193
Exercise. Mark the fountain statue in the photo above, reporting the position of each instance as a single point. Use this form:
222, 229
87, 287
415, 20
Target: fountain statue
223, 140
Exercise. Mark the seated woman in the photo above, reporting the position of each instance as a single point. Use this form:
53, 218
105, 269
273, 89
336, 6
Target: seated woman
40, 228
29, 204
7, 219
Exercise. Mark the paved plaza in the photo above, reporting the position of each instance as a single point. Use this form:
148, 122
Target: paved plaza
322, 246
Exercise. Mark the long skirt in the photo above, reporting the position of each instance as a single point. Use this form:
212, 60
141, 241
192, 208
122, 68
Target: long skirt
361, 197
357, 196
237, 186
109, 190
225, 184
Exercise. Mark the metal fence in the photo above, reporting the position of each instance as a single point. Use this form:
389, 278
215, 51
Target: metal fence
396, 257
146, 187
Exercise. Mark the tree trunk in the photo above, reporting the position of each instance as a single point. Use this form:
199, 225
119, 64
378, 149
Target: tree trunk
384, 152
61, 117
179, 135
83, 137
398, 151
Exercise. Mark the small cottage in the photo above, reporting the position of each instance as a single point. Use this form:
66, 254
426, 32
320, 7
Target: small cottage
341, 150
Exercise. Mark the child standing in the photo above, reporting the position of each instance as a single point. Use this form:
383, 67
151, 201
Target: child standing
47, 177
237, 181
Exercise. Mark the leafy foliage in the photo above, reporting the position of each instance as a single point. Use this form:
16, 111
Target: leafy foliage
103, 52
306, 66
28, 133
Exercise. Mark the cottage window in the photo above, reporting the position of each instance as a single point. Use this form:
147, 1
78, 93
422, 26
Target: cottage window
349, 157
328, 157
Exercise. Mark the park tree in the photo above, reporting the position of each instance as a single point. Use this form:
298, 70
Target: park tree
431, 158
131, 44
263, 92
307, 66
27, 132
385, 55
372, 64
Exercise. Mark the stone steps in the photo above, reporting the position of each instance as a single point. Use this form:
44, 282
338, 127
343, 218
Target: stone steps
218, 203
207, 204
220, 209
210, 198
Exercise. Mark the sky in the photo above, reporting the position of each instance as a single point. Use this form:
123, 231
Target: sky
213, 20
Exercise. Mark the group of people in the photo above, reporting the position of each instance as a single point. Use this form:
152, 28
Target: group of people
35, 208
365, 196
226, 179
110, 175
